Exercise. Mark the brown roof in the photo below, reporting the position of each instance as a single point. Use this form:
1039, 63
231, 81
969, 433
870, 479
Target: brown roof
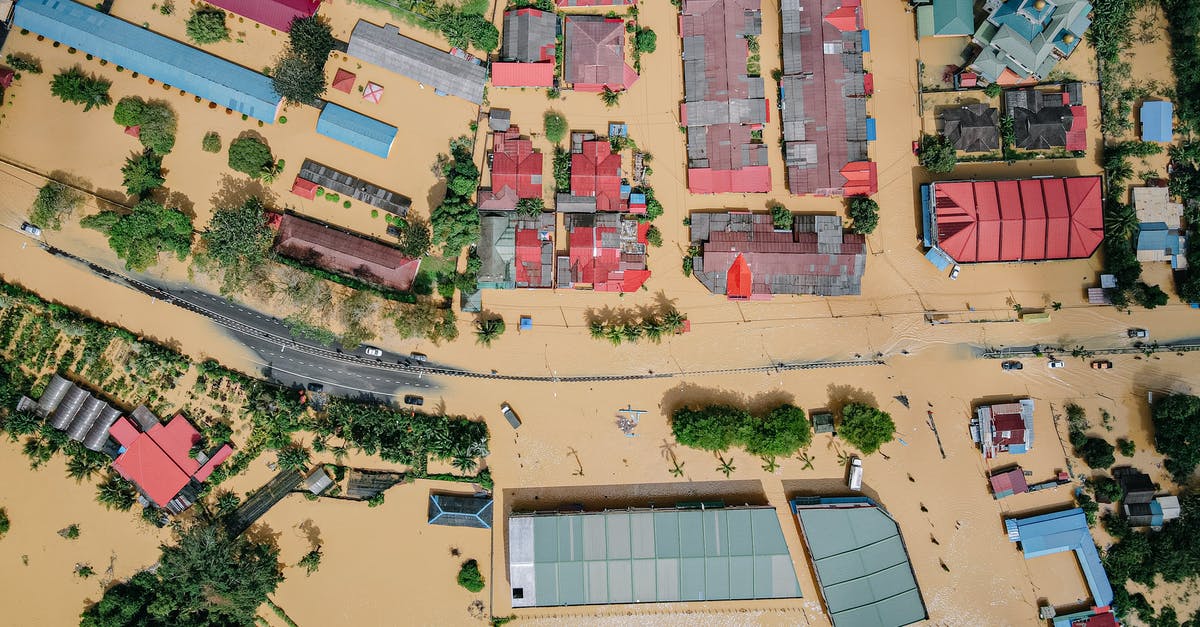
344, 253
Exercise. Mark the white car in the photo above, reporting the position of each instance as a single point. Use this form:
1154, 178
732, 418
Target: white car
371, 351
954, 272
1056, 363
30, 230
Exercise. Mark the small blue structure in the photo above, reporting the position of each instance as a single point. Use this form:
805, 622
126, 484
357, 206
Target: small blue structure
1063, 531
618, 129
1156, 118
870, 129
355, 129
1156, 241
460, 511
146, 52
866, 40
526, 323
939, 258
927, 215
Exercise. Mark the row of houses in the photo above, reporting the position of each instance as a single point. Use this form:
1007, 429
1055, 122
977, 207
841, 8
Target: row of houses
1042, 119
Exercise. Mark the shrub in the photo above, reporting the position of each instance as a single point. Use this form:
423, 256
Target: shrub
654, 236
129, 111
250, 156
937, 154
346, 204
645, 40
4, 522
375, 501
1126, 447
211, 142
469, 576
142, 173
23, 63
54, 202
781, 217
556, 126
207, 26
530, 207
865, 214
993, 90
74, 86
1096, 453
866, 428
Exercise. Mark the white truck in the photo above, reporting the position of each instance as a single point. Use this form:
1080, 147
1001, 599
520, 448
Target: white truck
856, 474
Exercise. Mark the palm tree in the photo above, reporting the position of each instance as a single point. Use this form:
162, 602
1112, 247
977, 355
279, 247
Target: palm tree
610, 97
294, 456
653, 328
677, 468
487, 330
339, 453
632, 332
615, 334
1121, 220
116, 493
726, 466
807, 460
464, 464
673, 321
771, 465
86, 464
596, 328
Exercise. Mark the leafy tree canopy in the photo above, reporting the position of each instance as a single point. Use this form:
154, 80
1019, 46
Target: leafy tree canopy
712, 428
556, 126
139, 236
781, 217
866, 428
142, 173
937, 154
54, 202
865, 214
469, 576
645, 40
312, 39
73, 86
783, 431
297, 80
1176, 421
250, 156
207, 25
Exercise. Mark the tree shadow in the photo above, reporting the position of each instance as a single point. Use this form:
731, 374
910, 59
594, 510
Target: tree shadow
311, 532
180, 201
436, 195
113, 200
234, 191
692, 395
841, 395
262, 533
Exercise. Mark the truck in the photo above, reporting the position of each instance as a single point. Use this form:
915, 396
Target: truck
510, 415
856, 474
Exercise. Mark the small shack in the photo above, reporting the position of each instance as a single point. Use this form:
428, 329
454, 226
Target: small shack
452, 510
318, 480
822, 422
1008, 482
1156, 117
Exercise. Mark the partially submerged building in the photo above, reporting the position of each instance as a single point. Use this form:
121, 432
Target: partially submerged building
1046, 119
453, 510
945, 18
595, 53
1018, 220
355, 129
743, 255
515, 251
277, 14
315, 175
527, 53
143, 51
1140, 500
823, 93
1160, 234
1022, 40
596, 181
1004, 428
606, 252
447, 73
972, 128
861, 563
1061, 531
338, 251
722, 103
1157, 118
648, 556
516, 170
68, 407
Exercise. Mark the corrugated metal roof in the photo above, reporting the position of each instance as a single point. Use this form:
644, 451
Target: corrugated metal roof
146, 52
1061, 531
386, 47
648, 556
277, 14
529, 35
355, 129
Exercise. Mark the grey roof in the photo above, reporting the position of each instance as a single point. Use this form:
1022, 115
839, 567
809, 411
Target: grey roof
354, 187
526, 33
55, 390
1137, 486
499, 119
460, 511
566, 203
69, 406
648, 556
144, 418
497, 250
1040, 119
861, 563
318, 480
972, 128
386, 47
85, 418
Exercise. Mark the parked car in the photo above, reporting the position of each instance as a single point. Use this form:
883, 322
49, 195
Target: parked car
413, 399
1056, 363
315, 387
1139, 333
371, 351
1012, 365
419, 357
1101, 364
31, 229
954, 272
510, 415
856, 474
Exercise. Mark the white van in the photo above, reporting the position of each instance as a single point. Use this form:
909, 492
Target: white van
856, 474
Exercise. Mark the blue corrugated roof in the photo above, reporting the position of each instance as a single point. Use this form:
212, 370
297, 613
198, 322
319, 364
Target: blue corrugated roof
163, 59
870, 129
1156, 121
1066, 530
353, 128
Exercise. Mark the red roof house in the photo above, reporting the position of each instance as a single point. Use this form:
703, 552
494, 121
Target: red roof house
528, 49
277, 14
304, 188
1026, 220
510, 74
343, 81
596, 171
1004, 428
345, 253
1008, 482
595, 53
159, 461
516, 171
606, 253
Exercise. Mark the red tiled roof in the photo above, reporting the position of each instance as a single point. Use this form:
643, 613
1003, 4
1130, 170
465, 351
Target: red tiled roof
277, 14
343, 81
750, 179
515, 164
606, 268
1028, 220
506, 74
124, 431
342, 252
595, 54
134, 131
1009, 480
304, 188
844, 18
528, 257
209, 466
596, 171
159, 461
1077, 135
176, 439
861, 178
6, 76
740, 280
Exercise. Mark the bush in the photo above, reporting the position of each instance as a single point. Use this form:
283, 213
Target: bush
530, 207
781, 217
207, 26
1126, 447
937, 154
654, 237
865, 214
783, 431
250, 156
4, 522
75, 87
23, 63
54, 202
139, 236
556, 126
1107, 489
866, 428
142, 173
469, 576
645, 40
211, 142
1097, 453
463, 30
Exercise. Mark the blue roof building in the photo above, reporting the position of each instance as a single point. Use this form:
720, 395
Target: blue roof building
1063, 531
460, 511
1156, 121
146, 52
355, 129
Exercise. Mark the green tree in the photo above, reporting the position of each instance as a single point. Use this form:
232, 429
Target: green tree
1176, 420
129, 111
206, 25
937, 154
645, 41
712, 428
138, 237
866, 428
83, 463
1126, 447
70, 533
993, 90
530, 207
1096, 453
211, 142
239, 241
556, 126
781, 217
312, 39
865, 214
23, 63
469, 576
783, 431
488, 329
416, 240
84, 571
116, 493
654, 236
4, 522
456, 220
73, 86
1120, 220
1108, 489
54, 202
609, 97
250, 156
311, 561
142, 173
295, 80
294, 456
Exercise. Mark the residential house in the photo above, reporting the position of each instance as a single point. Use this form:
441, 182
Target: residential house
606, 252
527, 53
596, 182
824, 91
972, 128
1022, 40
1058, 532
1046, 119
515, 251
278, 14
945, 18
446, 72
742, 255
453, 510
341, 252
595, 53
1160, 235
722, 104
1018, 220
1157, 117
516, 170
1004, 427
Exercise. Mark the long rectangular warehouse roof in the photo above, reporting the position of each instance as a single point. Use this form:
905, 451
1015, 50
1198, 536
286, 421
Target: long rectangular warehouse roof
355, 129
648, 556
861, 562
386, 47
144, 51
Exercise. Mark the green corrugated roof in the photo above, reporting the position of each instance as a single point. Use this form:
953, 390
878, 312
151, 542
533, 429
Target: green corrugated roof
645, 556
925, 21
953, 17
